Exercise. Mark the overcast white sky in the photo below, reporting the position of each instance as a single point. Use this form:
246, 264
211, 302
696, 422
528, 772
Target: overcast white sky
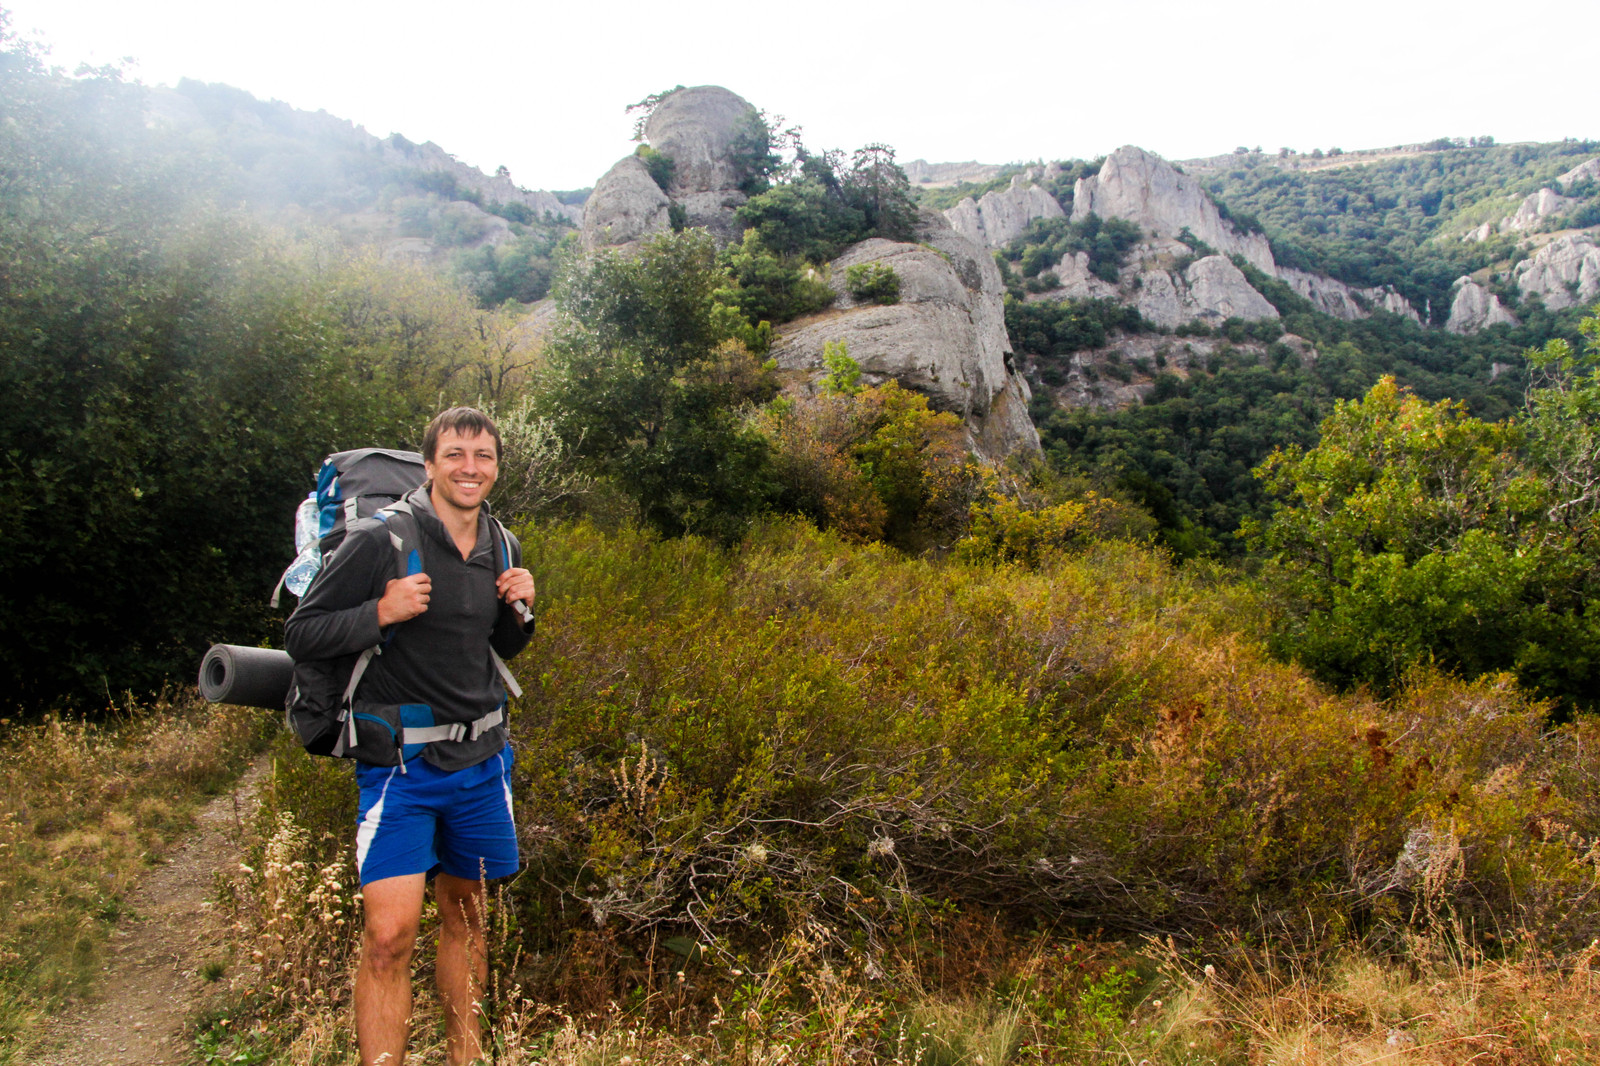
541, 87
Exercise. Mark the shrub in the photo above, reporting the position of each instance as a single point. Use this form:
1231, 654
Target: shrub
875, 282
663, 168
730, 742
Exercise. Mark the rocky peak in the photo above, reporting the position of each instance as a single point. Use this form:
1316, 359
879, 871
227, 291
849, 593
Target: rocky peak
1145, 189
699, 130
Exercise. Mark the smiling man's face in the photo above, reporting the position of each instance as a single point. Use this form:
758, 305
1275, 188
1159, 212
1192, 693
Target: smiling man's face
463, 469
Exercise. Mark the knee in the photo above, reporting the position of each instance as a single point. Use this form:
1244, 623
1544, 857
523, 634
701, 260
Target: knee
388, 945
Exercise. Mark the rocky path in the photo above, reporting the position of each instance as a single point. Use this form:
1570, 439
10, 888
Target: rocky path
151, 983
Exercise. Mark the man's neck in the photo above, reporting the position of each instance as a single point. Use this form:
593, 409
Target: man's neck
462, 525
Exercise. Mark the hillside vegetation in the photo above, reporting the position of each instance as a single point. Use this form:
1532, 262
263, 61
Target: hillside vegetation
840, 743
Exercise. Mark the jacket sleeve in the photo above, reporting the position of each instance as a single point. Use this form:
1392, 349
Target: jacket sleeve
509, 636
339, 615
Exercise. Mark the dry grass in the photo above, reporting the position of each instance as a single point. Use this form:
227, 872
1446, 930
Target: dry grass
86, 807
1043, 1001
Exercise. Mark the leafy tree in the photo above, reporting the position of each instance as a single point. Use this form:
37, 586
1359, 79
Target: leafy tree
769, 287
645, 381
1415, 532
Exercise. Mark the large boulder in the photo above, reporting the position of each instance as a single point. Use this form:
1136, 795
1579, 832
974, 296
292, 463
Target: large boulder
1002, 215
945, 338
699, 129
1475, 308
1145, 189
1563, 273
626, 205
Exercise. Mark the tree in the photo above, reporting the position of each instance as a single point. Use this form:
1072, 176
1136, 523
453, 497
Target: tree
1415, 532
645, 382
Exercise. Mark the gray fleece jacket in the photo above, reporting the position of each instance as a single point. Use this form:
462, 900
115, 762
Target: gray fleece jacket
439, 658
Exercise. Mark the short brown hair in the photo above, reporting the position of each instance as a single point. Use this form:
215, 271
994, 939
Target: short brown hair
463, 422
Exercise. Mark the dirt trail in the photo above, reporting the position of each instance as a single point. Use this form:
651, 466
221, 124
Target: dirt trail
150, 985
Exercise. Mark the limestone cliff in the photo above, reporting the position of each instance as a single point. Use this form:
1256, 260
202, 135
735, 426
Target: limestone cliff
1210, 290
1563, 273
1475, 308
1002, 215
1145, 189
1537, 207
1342, 301
945, 338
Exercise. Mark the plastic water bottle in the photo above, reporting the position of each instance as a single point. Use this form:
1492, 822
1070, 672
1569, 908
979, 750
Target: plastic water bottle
307, 542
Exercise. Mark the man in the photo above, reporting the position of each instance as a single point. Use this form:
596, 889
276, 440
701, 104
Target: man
442, 811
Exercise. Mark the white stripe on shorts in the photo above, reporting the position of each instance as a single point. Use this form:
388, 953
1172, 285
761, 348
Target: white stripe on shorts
369, 826
506, 785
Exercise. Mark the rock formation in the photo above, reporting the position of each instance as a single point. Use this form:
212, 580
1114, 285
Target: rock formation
1563, 273
946, 337
1210, 290
698, 129
1537, 207
1589, 169
1475, 308
1341, 301
1002, 215
1145, 189
625, 206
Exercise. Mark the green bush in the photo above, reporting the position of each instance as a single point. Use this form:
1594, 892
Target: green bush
732, 742
874, 282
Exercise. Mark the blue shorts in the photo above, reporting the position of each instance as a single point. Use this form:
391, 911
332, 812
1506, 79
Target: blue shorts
426, 820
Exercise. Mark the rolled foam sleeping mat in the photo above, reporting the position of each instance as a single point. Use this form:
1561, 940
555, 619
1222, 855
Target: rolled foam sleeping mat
248, 677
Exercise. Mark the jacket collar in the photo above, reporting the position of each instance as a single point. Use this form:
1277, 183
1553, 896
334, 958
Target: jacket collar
432, 525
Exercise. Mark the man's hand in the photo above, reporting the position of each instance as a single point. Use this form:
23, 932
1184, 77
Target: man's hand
403, 598
516, 584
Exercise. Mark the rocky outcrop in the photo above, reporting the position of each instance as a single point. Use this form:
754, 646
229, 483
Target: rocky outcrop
1145, 189
1002, 215
946, 338
1475, 308
1209, 290
1589, 169
1563, 273
626, 205
1341, 301
698, 129
1535, 208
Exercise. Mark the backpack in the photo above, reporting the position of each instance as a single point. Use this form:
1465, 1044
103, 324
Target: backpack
350, 485
319, 708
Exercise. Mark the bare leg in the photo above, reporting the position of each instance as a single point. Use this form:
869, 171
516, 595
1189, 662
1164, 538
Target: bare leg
463, 964
393, 913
